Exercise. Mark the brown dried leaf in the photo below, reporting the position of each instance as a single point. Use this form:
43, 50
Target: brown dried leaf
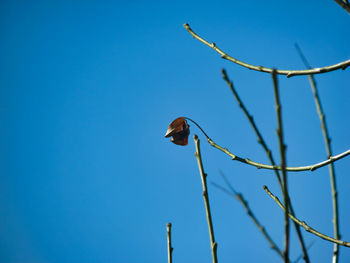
179, 131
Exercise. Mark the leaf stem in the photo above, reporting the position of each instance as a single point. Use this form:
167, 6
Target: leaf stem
195, 123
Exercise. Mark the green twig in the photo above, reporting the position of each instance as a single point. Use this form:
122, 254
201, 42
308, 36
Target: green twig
288, 73
268, 152
282, 147
203, 175
327, 142
170, 248
304, 225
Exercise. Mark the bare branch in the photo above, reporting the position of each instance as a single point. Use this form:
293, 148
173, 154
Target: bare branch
250, 213
327, 142
288, 73
273, 167
250, 118
304, 225
203, 175
268, 152
234, 157
282, 147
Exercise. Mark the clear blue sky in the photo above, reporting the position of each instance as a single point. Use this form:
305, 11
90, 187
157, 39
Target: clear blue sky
88, 89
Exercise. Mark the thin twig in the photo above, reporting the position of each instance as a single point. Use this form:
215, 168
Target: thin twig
288, 73
170, 248
250, 118
304, 225
234, 157
308, 247
327, 142
240, 198
198, 127
272, 167
282, 147
268, 152
344, 4
203, 175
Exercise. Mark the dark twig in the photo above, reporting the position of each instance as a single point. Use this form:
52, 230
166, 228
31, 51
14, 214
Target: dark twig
203, 175
268, 152
344, 4
308, 247
288, 73
283, 165
327, 141
170, 248
304, 225
240, 198
195, 123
